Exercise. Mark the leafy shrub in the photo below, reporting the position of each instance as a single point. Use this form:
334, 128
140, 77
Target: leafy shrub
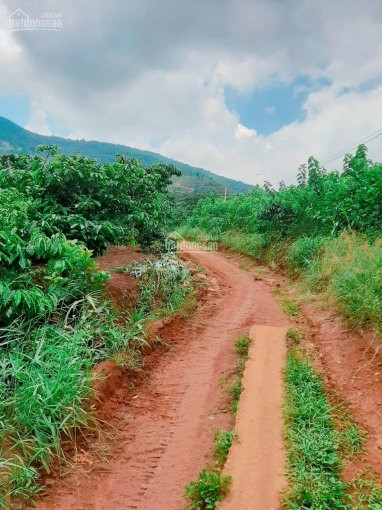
222, 444
207, 491
321, 204
164, 283
69, 272
242, 346
55, 322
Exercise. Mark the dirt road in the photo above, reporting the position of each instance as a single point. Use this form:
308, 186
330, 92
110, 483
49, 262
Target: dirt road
163, 435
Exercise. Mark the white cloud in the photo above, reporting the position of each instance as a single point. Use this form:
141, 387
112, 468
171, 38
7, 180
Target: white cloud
243, 133
243, 73
38, 121
9, 49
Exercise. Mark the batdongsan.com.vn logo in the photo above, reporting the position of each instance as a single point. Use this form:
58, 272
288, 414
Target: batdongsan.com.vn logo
177, 244
20, 20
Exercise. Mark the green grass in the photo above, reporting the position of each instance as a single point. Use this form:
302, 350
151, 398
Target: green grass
45, 388
293, 337
350, 271
314, 460
207, 491
351, 440
235, 391
289, 307
46, 378
242, 348
350, 435
302, 252
194, 234
366, 492
320, 434
247, 244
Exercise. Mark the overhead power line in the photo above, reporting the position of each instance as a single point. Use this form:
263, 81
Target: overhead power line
342, 152
368, 139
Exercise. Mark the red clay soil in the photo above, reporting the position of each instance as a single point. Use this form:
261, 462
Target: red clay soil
122, 288
163, 428
352, 365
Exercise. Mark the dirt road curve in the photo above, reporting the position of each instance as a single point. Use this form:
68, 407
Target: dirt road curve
163, 436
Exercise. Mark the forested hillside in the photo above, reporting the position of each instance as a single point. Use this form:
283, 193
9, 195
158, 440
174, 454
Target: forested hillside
14, 138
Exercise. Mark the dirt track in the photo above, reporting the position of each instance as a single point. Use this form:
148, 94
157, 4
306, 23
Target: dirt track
256, 460
163, 435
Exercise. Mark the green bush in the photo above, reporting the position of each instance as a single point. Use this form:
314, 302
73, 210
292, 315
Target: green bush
242, 346
321, 204
207, 491
222, 444
302, 252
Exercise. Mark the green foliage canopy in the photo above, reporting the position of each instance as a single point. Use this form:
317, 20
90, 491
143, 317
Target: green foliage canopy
320, 204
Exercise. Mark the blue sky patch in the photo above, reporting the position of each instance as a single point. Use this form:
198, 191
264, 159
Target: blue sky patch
15, 108
269, 108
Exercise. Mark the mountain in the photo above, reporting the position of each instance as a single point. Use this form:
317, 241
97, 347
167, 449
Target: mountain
14, 138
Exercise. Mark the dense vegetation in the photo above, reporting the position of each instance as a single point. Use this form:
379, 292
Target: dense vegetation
326, 228
96, 204
55, 319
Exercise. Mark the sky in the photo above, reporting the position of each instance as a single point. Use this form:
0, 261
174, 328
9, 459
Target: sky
245, 88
